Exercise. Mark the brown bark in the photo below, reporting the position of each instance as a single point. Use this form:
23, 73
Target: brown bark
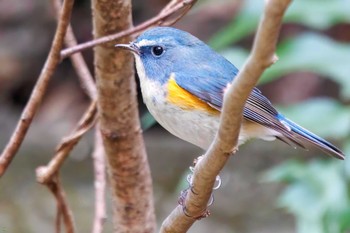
128, 169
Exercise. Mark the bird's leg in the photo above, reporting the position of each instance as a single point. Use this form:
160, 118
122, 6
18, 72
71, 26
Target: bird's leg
184, 193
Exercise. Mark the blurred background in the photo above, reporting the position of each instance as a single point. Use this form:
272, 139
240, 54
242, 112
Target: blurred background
267, 186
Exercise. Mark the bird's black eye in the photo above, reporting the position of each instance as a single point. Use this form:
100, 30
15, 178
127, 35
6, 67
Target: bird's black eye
157, 50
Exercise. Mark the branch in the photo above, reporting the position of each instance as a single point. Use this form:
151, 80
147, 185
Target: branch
85, 77
39, 90
78, 62
168, 11
46, 173
63, 210
100, 183
225, 142
49, 175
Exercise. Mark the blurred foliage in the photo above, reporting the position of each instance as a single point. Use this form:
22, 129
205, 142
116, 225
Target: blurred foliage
147, 121
317, 14
306, 52
317, 193
314, 53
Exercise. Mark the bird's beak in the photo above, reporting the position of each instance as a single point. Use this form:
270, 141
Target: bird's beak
131, 47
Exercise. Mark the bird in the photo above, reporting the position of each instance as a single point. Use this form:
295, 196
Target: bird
183, 82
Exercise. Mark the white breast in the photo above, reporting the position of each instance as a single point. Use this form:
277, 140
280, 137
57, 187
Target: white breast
196, 127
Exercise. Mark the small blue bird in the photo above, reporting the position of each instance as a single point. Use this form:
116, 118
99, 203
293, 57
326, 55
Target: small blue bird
183, 82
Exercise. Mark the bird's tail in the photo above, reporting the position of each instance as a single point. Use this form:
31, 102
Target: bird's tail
301, 136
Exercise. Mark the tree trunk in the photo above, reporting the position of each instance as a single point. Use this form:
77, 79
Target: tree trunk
128, 170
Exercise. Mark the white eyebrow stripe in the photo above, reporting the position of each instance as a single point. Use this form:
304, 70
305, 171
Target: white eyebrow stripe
145, 42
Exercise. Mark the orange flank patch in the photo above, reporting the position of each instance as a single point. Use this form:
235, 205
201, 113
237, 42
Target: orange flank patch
185, 100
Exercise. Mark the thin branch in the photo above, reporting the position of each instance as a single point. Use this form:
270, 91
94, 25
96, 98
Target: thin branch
63, 210
79, 64
170, 5
163, 15
39, 89
225, 142
49, 175
170, 21
168, 8
100, 183
46, 173
58, 218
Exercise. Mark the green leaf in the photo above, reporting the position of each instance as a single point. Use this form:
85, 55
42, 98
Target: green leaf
236, 55
314, 53
242, 25
147, 121
337, 221
346, 150
318, 14
287, 172
317, 195
307, 52
344, 219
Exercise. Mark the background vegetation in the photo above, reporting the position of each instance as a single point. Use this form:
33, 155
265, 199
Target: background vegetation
310, 84
315, 41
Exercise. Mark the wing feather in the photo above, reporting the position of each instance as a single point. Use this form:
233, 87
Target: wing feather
257, 109
208, 77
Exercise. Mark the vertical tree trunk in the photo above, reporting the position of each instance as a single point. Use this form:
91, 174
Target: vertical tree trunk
128, 169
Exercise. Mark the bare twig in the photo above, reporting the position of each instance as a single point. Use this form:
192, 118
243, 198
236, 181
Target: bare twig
79, 64
177, 14
46, 173
100, 183
39, 89
58, 218
49, 175
176, 18
170, 5
63, 210
225, 142
163, 15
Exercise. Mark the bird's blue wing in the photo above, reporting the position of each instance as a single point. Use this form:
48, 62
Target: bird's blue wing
208, 77
209, 84
258, 109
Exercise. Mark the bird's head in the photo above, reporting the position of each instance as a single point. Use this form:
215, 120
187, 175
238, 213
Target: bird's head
165, 50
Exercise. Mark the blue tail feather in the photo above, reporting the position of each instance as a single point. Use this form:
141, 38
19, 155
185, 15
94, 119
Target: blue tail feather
302, 136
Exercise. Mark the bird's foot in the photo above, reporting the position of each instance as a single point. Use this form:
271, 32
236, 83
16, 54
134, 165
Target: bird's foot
184, 193
181, 202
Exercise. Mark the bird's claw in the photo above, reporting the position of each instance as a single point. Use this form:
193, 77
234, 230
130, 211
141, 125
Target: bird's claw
204, 214
184, 193
181, 202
